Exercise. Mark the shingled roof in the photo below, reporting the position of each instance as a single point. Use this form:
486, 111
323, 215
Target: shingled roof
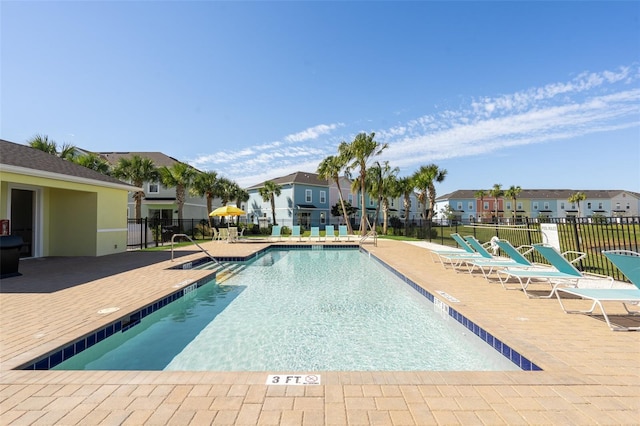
304, 178
539, 194
23, 159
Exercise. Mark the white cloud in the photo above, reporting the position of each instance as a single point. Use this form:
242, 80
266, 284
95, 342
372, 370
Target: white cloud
312, 132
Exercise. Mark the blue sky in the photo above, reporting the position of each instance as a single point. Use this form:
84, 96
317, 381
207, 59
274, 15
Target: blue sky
535, 94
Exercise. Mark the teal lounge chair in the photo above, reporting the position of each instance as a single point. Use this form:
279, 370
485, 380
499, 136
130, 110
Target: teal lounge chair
562, 272
486, 265
329, 232
458, 258
628, 262
342, 233
315, 233
464, 250
275, 233
295, 233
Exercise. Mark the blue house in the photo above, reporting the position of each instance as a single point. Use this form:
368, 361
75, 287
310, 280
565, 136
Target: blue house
303, 200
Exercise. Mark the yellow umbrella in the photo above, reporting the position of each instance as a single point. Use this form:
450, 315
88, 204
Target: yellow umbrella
227, 211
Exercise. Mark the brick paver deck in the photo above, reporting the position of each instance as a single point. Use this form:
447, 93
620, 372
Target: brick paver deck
591, 375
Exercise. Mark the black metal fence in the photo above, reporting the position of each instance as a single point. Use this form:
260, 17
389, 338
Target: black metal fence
587, 235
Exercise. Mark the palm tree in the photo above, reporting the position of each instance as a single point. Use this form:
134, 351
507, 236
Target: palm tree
137, 170
94, 162
424, 180
179, 175
576, 198
480, 194
513, 193
496, 192
242, 196
206, 184
356, 154
42, 143
269, 192
381, 181
330, 169
405, 187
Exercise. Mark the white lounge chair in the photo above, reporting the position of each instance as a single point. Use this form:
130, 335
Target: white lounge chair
628, 262
562, 273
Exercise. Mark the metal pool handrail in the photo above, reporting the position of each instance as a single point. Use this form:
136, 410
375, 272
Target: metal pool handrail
197, 245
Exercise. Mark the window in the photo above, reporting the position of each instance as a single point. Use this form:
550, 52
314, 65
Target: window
562, 205
508, 205
617, 206
323, 197
535, 205
307, 196
519, 205
370, 202
600, 206
589, 206
459, 205
546, 205
628, 206
322, 218
485, 206
153, 188
470, 206
350, 198
393, 202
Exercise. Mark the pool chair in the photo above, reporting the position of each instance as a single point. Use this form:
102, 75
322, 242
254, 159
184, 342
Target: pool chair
315, 233
275, 233
343, 233
628, 262
459, 258
516, 258
295, 233
233, 234
330, 232
562, 272
214, 234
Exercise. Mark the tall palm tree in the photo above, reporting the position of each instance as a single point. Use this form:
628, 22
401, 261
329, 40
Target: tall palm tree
137, 170
42, 143
424, 180
356, 154
405, 187
576, 198
179, 175
269, 192
480, 194
381, 182
513, 193
206, 184
94, 162
241, 196
496, 192
330, 169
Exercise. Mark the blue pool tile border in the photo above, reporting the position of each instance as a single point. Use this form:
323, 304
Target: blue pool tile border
511, 354
123, 324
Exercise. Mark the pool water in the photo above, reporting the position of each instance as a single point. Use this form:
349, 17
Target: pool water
298, 310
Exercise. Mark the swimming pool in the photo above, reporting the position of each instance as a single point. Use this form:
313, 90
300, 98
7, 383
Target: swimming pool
314, 310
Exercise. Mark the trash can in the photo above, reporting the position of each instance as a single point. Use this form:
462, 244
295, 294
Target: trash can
9, 255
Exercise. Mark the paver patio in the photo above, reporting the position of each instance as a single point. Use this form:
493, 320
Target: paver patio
591, 375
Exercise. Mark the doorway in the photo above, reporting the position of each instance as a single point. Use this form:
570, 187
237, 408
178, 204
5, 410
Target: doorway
23, 219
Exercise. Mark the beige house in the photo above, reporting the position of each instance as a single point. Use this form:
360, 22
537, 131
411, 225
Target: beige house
58, 207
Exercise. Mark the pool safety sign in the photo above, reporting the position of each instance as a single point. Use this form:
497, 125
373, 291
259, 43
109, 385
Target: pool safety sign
293, 379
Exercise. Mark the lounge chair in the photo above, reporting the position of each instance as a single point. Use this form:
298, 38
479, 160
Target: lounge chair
628, 262
295, 233
562, 272
223, 234
214, 234
458, 258
516, 258
315, 233
233, 234
343, 233
275, 233
330, 232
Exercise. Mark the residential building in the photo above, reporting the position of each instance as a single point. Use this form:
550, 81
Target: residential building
60, 208
535, 203
303, 200
159, 202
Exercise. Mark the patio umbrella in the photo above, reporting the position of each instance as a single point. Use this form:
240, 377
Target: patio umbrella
227, 211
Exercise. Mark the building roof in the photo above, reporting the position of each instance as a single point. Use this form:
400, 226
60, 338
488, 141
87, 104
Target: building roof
159, 159
23, 159
304, 178
539, 194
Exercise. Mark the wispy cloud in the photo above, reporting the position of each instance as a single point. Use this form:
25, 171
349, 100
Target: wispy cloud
588, 103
